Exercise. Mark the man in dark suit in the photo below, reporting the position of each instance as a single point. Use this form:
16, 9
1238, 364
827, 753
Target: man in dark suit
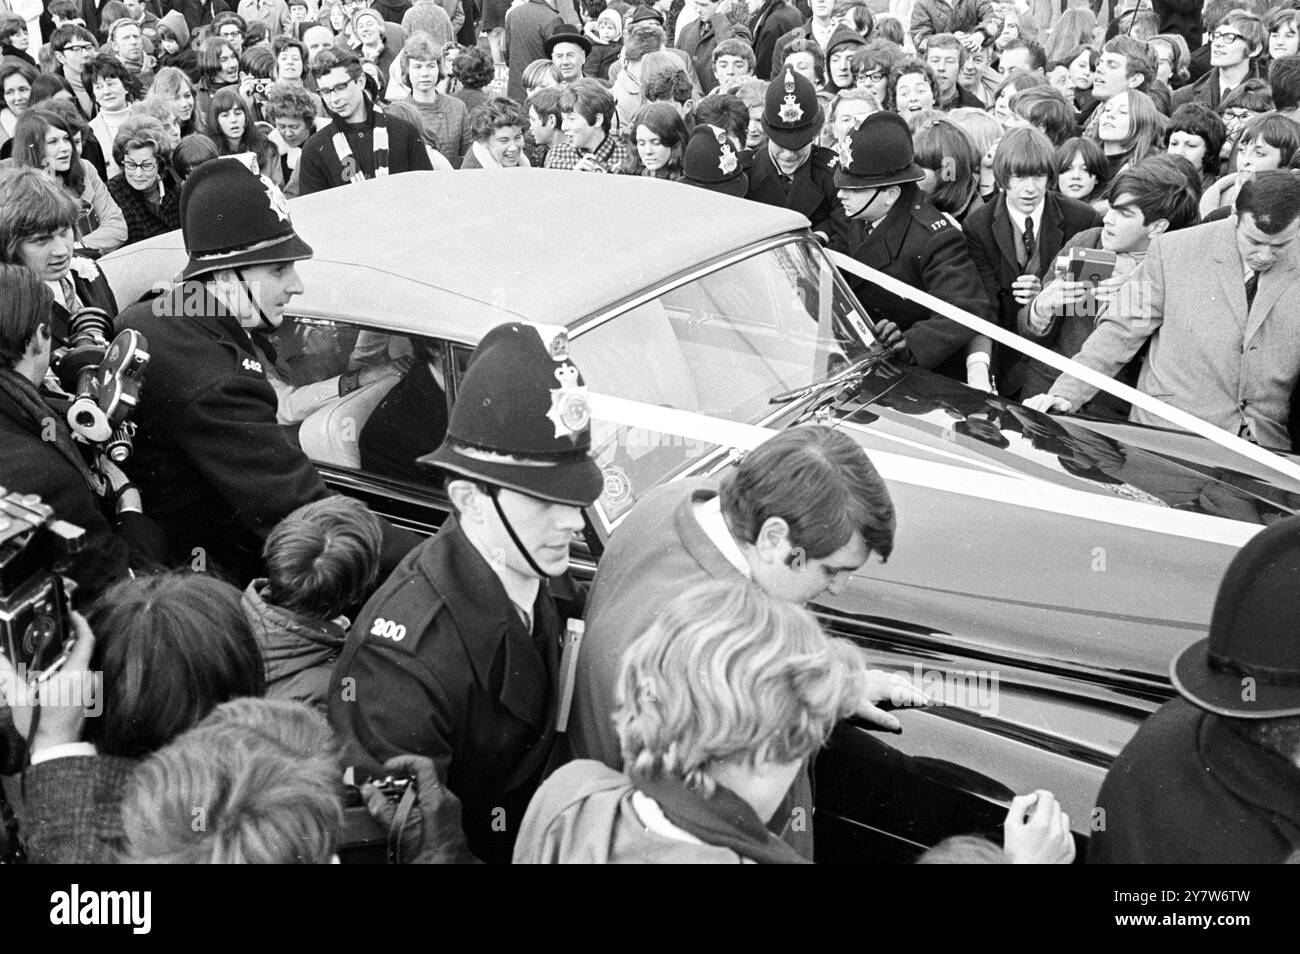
773, 19
897, 231
1014, 240
791, 171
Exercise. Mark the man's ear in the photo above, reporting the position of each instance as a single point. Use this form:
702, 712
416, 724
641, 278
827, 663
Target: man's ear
39, 341
468, 500
773, 540
1136, 80
1159, 227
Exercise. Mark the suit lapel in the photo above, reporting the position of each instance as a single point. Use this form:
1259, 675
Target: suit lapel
1272, 284
1051, 234
1232, 281
1005, 237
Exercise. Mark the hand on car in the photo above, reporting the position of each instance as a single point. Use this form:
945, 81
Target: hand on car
1024, 288
894, 688
433, 831
1048, 404
1041, 839
62, 698
893, 341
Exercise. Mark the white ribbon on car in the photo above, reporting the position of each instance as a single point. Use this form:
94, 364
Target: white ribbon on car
1146, 402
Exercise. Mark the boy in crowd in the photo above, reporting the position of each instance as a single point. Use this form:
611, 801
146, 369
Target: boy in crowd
590, 144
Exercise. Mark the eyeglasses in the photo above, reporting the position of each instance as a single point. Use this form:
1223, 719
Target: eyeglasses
1238, 115
875, 77
77, 48
149, 165
338, 90
1226, 36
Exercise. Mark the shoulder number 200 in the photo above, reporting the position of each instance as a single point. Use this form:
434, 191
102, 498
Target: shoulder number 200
388, 629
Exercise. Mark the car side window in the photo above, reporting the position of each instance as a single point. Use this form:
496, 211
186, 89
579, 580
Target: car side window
357, 398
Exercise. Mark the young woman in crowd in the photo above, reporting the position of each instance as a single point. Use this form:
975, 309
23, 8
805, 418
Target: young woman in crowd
1082, 61
175, 86
114, 89
540, 73
497, 128
1267, 142
984, 132
1128, 128
290, 59
807, 59
372, 44
50, 86
44, 140
659, 139
16, 89
951, 164
872, 67
232, 127
1248, 101
1008, 88
146, 190
1283, 27
292, 110
159, 109
1172, 57
443, 118
847, 110
1072, 29
912, 88
218, 68
1046, 110
1081, 170
1197, 133
709, 760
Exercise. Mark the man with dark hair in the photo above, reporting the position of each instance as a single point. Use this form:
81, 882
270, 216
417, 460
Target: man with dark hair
456, 656
771, 21
1284, 79
361, 142
590, 145
1212, 14
73, 48
1022, 56
1213, 777
819, 28
1147, 200
794, 544
701, 36
1221, 305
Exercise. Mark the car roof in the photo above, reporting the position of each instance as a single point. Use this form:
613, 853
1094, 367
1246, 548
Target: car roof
454, 255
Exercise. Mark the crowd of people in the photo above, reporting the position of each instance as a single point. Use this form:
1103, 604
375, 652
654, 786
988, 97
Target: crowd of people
250, 632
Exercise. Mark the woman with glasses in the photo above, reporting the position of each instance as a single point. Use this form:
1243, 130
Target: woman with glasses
146, 190
872, 66
1251, 99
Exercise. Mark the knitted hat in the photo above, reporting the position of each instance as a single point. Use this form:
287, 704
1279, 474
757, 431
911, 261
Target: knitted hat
710, 163
521, 420
877, 154
792, 114
1249, 667
232, 217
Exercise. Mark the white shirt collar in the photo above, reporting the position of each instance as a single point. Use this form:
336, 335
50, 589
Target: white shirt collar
1018, 220
708, 514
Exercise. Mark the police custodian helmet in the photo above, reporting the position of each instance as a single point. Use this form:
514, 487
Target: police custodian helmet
232, 217
522, 420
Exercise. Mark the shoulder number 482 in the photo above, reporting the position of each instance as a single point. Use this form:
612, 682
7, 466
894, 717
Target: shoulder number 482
388, 629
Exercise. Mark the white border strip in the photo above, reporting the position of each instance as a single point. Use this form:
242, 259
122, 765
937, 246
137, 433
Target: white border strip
1012, 491
1026, 347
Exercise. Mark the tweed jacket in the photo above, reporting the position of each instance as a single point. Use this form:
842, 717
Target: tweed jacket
1209, 355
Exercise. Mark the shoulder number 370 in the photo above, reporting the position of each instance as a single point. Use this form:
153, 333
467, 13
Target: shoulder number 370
388, 629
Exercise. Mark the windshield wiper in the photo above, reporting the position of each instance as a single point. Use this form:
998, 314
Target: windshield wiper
851, 374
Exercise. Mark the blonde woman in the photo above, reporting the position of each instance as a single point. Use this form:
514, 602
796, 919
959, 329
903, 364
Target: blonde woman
718, 706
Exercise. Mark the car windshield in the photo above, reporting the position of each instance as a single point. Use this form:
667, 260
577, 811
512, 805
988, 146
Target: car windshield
719, 345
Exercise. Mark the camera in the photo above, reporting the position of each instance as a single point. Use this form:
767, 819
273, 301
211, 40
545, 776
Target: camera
363, 840
35, 629
104, 380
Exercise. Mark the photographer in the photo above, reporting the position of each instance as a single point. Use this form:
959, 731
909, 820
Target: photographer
40, 455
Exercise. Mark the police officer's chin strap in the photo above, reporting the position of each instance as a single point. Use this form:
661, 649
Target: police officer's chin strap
492, 492
264, 323
866, 205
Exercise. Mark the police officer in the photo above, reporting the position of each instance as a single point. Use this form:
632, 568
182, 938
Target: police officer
897, 231
792, 172
455, 656
213, 466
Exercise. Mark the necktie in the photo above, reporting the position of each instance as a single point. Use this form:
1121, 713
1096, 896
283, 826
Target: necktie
1031, 243
1252, 286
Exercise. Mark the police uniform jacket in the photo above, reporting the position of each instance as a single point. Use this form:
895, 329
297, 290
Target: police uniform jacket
811, 190
440, 664
214, 467
919, 245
